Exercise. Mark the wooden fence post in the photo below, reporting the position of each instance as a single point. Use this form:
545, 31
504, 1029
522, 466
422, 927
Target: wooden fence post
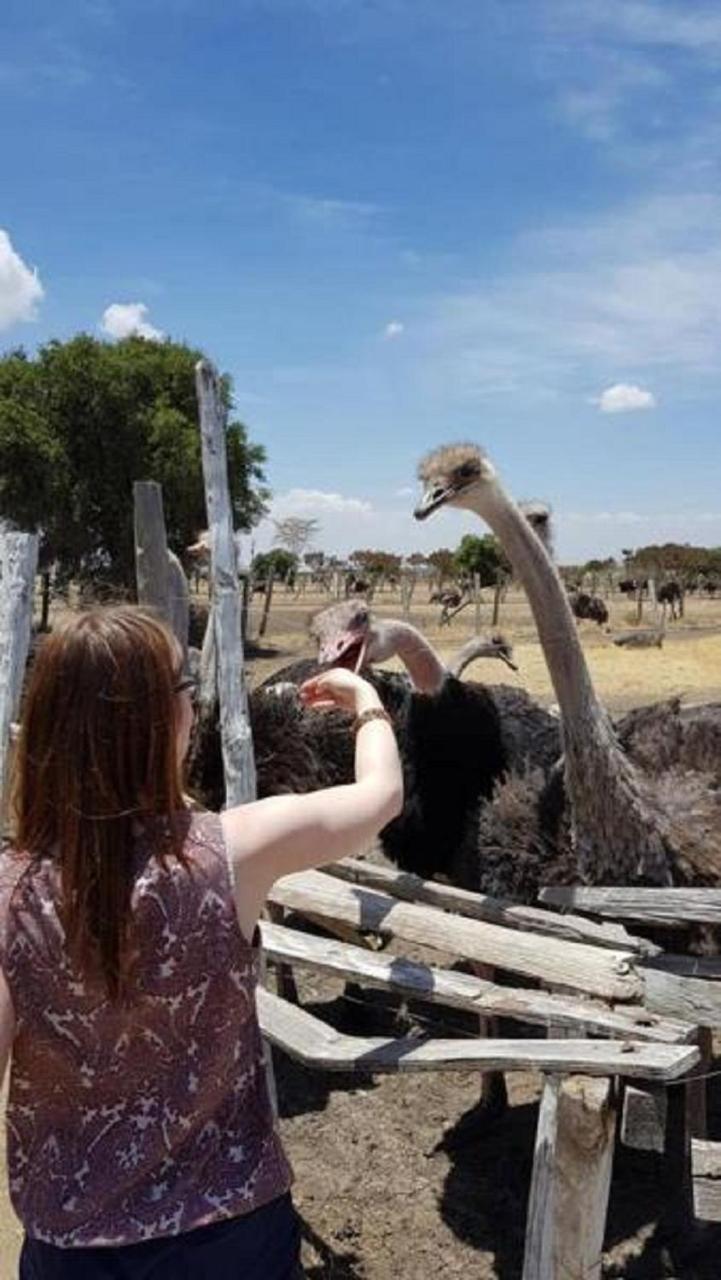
18, 566
151, 546
571, 1179
235, 731
477, 601
161, 581
266, 602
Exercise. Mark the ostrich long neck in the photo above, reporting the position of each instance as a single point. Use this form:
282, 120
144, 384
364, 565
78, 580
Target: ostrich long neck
551, 611
420, 659
617, 836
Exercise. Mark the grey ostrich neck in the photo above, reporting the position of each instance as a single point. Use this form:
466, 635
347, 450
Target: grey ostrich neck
617, 837
421, 661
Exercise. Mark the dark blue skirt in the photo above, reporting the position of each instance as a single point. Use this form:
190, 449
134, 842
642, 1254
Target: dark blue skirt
264, 1245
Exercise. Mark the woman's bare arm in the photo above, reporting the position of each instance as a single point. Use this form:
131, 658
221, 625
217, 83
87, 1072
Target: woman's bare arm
270, 838
7, 1025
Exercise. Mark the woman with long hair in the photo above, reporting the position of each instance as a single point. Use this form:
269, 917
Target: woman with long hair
140, 1135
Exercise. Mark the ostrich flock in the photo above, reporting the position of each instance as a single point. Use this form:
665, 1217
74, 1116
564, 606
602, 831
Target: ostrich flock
502, 796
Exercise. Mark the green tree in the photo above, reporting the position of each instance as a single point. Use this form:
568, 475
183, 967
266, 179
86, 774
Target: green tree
443, 563
378, 565
279, 561
85, 419
482, 556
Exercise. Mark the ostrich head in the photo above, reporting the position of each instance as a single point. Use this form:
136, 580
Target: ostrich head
460, 475
345, 635
453, 475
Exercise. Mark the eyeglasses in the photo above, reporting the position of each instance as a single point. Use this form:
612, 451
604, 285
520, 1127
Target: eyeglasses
191, 683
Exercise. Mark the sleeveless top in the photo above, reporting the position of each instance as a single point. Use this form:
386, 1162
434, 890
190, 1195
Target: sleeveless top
129, 1122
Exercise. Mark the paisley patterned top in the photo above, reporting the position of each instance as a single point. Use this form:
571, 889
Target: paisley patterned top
130, 1122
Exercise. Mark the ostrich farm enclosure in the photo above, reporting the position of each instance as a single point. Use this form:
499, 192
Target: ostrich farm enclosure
395, 1178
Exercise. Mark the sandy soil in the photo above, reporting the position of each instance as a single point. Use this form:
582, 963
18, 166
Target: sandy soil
396, 1176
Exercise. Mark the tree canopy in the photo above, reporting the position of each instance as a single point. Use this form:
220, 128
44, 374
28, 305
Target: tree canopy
280, 562
81, 421
377, 564
481, 556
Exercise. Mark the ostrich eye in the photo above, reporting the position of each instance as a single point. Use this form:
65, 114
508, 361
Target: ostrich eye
362, 618
467, 470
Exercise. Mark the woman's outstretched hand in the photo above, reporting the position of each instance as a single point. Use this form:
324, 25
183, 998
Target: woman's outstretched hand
339, 688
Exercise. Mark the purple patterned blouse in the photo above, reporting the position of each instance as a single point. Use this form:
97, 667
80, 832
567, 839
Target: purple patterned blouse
131, 1122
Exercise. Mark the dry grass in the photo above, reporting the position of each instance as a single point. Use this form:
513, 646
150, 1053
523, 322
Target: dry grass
689, 663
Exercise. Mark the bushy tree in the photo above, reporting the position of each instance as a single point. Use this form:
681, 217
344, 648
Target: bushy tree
376, 564
443, 563
281, 562
84, 419
482, 556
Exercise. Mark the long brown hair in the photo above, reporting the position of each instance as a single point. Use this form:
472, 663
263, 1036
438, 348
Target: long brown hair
97, 756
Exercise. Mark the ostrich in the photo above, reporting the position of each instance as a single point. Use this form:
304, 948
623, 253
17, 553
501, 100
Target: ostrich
590, 607
627, 825
671, 594
348, 634
642, 638
457, 738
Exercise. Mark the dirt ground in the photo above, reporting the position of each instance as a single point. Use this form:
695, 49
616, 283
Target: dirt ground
397, 1178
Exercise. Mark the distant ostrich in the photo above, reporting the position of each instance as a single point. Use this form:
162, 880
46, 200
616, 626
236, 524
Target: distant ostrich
641, 638
590, 607
450, 599
670, 593
627, 824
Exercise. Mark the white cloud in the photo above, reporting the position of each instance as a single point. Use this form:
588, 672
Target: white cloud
315, 502
20, 288
124, 319
634, 290
328, 213
393, 329
624, 397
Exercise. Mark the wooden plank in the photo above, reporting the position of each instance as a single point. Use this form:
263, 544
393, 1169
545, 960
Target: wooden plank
706, 1170
706, 1159
584, 1158
178, 602
479, 906
235, 731
674, 996
466, 991
18, 566
696, 1092
161, 583
538, 1261
151, 547
643, 1122
594, 970
674, 908
316, 1044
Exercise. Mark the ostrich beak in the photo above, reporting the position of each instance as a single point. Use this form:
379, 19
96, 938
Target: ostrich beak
508, 661
361, 656
433, 498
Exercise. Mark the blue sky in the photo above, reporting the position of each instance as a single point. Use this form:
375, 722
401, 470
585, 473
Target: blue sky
395, 222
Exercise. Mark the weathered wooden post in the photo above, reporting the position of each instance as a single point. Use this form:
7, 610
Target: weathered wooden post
408, 586
161, 582
497, 597
235, 732
477, 601
266, 601
18, 566
571, 1179
151, 546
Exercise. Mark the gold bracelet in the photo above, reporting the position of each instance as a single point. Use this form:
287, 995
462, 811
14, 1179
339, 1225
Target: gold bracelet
373, 713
